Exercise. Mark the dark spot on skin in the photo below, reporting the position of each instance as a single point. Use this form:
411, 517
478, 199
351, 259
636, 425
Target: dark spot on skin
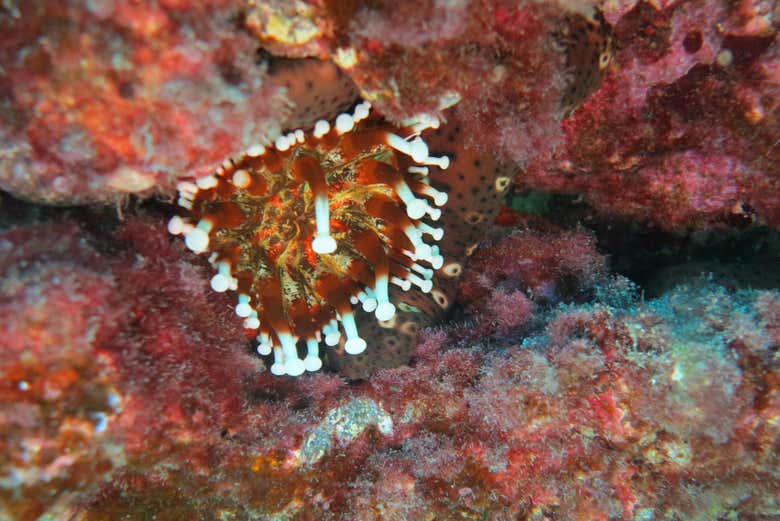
478, 163
461, 177
230, 73
692, 42
126, 90
262, 56
309, 85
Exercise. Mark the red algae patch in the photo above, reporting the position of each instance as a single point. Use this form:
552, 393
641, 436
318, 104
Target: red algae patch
105, 99
128, 394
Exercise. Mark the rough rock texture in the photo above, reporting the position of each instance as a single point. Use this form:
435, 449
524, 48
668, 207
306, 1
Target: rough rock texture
684, 131
101, 99
108, 359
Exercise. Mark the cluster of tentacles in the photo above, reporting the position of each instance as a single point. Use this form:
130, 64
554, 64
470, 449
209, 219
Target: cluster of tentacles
318, 223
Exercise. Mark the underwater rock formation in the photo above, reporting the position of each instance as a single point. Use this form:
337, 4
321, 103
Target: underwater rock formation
684, 132
532, 382
128, 393
509, 69
105, 99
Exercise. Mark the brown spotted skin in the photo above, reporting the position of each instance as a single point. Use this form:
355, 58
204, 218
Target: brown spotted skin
476, 185
316, 89
588, 45
390, 344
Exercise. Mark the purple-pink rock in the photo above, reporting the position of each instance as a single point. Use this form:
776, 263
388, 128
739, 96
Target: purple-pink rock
684, 131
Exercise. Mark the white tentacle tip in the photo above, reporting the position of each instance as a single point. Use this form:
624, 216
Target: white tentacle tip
355, 346
384, 311
323, 244
321, 128
419, 150
344, 123
294, 367
416, 209
220, 283
176, 225
312, 363
255, 151
197, 240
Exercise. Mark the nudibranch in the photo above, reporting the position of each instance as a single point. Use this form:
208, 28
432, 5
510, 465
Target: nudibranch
320, 223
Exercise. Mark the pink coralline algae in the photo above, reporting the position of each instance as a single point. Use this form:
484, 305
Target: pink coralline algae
95, 345
505, 280
103, 99
684, 131
142, 404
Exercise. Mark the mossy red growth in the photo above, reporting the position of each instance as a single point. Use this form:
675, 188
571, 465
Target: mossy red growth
106, 99
174, 328
101, 362
603, 412
57, 396
504, 281
116, 95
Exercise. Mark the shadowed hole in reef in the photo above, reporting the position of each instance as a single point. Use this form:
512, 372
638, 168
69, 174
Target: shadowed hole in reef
737, 254
98, 221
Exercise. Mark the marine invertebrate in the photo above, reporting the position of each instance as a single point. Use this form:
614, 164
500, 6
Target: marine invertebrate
305, 229
475, 183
